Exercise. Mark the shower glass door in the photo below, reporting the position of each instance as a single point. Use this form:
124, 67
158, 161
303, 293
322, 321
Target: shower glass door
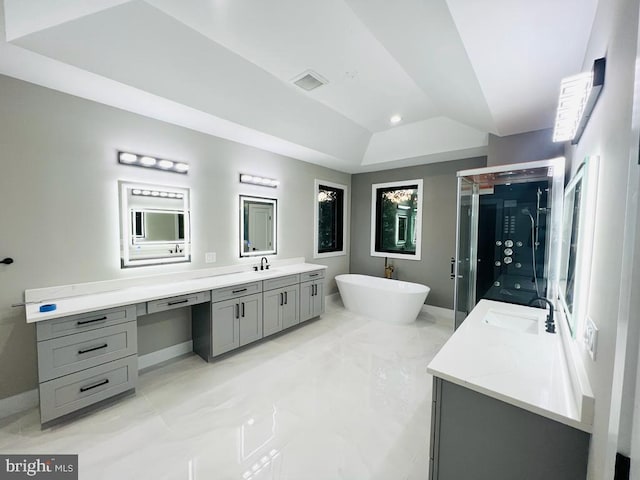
464, 273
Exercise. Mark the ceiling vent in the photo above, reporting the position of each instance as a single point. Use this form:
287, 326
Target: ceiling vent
309, 80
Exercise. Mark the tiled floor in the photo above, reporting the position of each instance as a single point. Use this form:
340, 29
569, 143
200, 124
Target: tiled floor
342, 397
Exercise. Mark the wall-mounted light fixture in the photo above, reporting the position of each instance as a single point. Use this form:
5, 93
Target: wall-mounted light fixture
578, 97
146, 161
256, 180
155, 193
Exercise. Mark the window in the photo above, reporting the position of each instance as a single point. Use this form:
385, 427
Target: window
330, 219
396, 212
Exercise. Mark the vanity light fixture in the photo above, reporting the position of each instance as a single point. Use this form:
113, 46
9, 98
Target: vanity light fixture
146, 161
256, 180
156, 193
578, 97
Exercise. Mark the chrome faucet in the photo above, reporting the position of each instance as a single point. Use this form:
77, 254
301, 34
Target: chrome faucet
550, 325
265, 265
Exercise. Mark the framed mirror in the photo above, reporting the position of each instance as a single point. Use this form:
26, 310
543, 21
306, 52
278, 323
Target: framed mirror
576, 242
154, 224
258, 226
396, 219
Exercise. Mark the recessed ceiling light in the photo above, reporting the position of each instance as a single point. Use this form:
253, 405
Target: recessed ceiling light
395, 119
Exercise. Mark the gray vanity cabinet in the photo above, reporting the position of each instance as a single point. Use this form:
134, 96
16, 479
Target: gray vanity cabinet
280, 309
225, 327
476, 436
232, 320
235, 323
312, 295
281, 300
84, 359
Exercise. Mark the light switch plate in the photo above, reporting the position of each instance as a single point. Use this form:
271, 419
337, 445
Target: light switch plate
591, 337
210, 257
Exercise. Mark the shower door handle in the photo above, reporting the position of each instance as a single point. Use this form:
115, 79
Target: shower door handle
453, 266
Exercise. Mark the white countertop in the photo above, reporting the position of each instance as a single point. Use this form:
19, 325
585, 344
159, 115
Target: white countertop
527, 370
127, 296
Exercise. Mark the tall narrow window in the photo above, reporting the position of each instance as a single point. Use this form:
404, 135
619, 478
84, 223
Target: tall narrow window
396, 212
330, 219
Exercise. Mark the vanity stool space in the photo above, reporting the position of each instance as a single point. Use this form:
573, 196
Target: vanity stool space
88, 347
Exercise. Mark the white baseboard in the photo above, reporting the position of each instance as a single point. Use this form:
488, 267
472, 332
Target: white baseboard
440, 313
19, 403
159, 356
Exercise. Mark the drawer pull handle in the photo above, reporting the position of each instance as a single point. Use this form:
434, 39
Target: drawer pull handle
314, 274
92, 349
286, 298
185, 300
85, 322
239, 291
95, 385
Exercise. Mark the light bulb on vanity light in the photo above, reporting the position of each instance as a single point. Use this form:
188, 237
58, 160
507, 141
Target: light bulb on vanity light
128, 157
147, 161
395, 119
165, 164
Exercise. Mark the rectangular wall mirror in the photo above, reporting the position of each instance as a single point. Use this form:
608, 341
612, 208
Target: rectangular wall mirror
576, 242
396, 219
154, 224
258, 226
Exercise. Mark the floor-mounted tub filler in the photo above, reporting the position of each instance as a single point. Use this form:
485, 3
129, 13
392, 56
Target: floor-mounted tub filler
387, 300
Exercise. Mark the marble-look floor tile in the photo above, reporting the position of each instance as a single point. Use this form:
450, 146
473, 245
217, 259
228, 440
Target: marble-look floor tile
341, 397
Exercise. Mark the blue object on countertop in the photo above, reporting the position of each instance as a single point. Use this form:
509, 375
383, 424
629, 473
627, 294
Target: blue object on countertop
48, 307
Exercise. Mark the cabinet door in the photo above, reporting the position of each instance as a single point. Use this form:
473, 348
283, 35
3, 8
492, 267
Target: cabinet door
306, 301
250, 318
318, 298
224, 326
272, 321
290, 310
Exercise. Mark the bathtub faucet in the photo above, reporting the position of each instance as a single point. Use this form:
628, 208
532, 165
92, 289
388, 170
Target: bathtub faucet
388, 269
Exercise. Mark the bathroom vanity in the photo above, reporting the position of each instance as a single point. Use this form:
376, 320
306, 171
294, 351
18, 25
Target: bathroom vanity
506, 401
87, 346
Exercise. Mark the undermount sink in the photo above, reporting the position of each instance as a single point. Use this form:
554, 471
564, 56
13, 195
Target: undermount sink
517, 322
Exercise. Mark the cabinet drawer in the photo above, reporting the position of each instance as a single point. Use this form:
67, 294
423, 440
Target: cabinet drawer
178, 302
70, 393
227, 293
280, 282
316, 274
72, 353
83, 322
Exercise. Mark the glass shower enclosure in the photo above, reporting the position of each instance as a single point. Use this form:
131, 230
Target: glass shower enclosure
508, 234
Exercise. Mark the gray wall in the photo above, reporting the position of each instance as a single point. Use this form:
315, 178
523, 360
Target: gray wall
524, 147
59, 197
438, 226
612, 300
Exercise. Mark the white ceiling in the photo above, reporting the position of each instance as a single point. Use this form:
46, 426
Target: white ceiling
455, 70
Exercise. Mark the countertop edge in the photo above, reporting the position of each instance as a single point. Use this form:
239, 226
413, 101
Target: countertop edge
569, 421
102, 300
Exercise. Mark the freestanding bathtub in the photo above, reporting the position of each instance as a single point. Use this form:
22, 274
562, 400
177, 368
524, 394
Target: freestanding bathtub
380, 298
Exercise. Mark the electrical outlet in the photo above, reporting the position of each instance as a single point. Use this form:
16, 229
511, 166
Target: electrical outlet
591, 337
210, 257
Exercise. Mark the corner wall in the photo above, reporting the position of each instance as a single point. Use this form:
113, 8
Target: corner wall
59, 214
438, 226
608, 134
523, 147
